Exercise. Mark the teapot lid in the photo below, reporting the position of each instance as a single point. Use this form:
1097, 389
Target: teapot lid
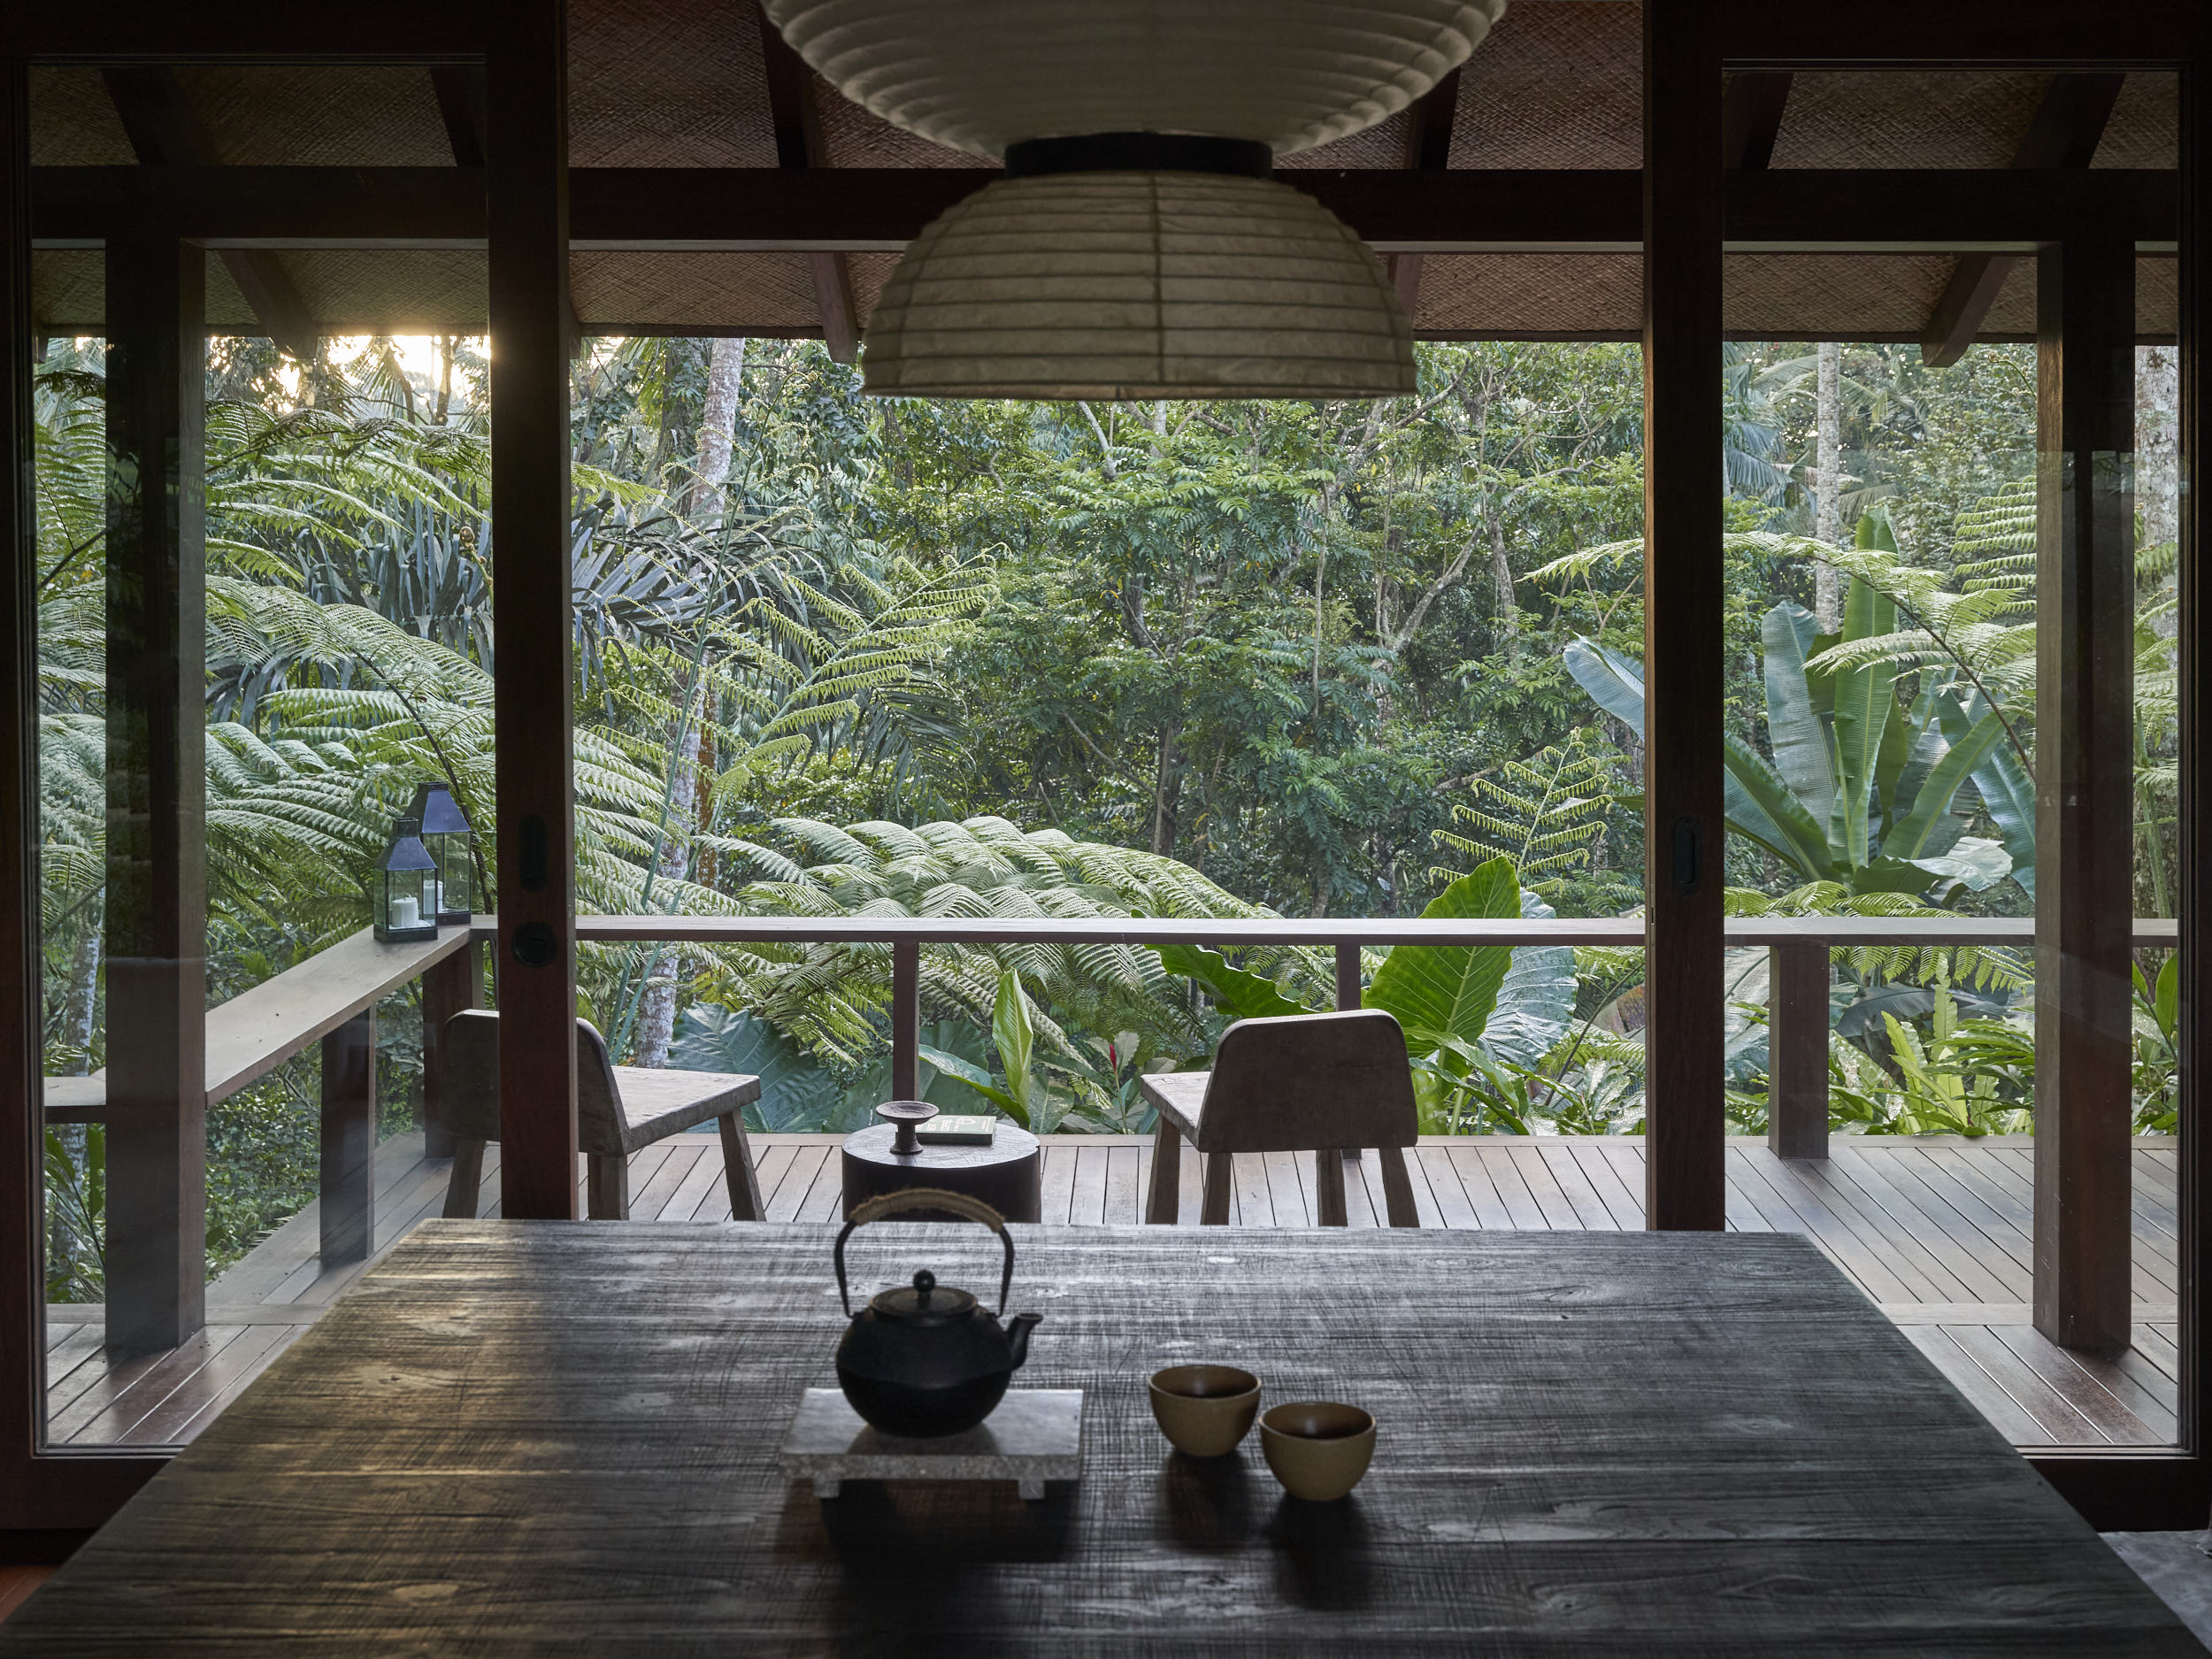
924, 1301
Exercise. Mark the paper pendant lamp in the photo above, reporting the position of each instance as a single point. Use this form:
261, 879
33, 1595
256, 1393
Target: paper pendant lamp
1135, 285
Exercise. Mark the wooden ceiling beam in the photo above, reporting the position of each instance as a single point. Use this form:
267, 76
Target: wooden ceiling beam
1957, 34
164, 131
267, 31
1428, 150
460, 89
2062, 135
1751, 117
800, 145
859, 210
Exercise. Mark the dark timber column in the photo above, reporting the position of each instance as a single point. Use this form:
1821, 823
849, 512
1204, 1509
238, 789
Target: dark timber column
347, 1188
157, 872
527, 186
2195, 906
2084, 839
1684, 1177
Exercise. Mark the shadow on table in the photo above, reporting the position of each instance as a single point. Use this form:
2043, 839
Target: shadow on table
1207, 1500
1322, 1558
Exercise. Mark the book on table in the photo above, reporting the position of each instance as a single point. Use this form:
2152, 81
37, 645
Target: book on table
956, 1132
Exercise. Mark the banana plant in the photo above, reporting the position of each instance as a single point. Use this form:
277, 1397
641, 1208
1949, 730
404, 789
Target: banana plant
1862, 785
1478, 1019
1026, 1095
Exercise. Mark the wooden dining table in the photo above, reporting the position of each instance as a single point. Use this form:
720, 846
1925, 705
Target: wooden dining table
557, 1437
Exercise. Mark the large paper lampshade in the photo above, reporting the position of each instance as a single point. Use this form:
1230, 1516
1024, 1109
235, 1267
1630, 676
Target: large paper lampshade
982, 74
1118, 285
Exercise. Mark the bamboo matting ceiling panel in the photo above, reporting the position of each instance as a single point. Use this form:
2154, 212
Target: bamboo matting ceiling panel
1559, 85
619, 293
320, 116
667, 83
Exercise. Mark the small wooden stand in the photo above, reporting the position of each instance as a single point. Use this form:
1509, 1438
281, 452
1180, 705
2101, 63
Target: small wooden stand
1035, 1435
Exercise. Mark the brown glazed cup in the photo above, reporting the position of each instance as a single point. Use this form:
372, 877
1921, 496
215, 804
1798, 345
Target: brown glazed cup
1318, 1450
1205, 1410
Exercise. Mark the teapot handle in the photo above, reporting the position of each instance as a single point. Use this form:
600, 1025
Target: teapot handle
927, 1198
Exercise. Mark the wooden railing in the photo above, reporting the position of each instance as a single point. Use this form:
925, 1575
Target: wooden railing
332, 998
1798, 952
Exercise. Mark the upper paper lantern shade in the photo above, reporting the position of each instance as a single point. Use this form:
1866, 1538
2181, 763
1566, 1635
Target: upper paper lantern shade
1138, 285
982, 74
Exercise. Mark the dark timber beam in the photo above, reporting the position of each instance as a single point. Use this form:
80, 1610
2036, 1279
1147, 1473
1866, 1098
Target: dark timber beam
1751, 117
528, 178
2063, 133
163, 129
460, 90
801, 147
881, 208
156, 867
1968, 35
1428, 150
2084, 796
1684, 651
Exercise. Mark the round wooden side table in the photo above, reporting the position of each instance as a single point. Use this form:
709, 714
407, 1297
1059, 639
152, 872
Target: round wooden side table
1007, 1174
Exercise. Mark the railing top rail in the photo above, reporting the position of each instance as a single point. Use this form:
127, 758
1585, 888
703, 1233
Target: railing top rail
1841, 932
260, 1029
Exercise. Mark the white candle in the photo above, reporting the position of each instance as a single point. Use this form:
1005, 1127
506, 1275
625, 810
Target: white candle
406, 912
433, 899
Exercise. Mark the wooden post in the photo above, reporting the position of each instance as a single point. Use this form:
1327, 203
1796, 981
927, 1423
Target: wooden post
1684, 833
906, 1018
347, 1191
2084, 831
1797, 1050
449, 986
157, 876
1348, 978
526, 203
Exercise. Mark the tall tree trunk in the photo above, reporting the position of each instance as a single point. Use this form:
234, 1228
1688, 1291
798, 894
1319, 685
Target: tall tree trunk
2157, 443
718, 420
1167, 785
1502, 577
703, 504
1828, 520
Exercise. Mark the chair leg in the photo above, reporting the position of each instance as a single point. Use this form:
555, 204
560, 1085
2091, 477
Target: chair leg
737, 1170
1328, 1188
1165, 1195
461, 1186
608, 1187
1215, 1212
1397, 1188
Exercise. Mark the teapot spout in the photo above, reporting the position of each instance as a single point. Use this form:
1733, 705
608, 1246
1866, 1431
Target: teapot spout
1018, 1336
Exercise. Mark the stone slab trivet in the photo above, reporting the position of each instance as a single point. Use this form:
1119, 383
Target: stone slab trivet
1035, 1435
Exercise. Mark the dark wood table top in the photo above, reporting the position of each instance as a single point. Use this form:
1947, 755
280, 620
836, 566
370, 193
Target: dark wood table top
561, 1438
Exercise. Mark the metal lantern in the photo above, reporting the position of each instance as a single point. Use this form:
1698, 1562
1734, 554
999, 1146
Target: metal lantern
404, 875
447, 835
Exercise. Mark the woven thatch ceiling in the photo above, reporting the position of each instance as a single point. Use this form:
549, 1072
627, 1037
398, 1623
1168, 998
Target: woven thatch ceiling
684, 83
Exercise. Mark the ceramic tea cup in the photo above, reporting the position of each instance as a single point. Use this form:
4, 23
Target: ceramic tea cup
1205, 1410
1318, 1450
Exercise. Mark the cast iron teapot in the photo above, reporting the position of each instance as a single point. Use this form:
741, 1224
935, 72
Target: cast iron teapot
925, 1360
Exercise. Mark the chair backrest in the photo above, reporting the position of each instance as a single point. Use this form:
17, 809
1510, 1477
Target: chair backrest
468, 1082
1306, 1081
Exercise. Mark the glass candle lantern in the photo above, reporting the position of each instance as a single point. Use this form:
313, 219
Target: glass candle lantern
405, 876
447, 835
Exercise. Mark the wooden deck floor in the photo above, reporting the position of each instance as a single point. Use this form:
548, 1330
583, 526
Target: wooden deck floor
1936, 1231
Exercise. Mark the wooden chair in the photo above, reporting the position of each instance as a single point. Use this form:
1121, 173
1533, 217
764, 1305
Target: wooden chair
1319, 1083
618, 1108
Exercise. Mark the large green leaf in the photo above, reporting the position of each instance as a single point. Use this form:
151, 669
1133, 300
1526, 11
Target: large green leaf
797, 1093
974, 1076
1759, 805
1793, 726
1014, 1029
1446, 993
1865, 696
1912, 836
1236, 993
1536, 999
1614, 684
2007, 793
